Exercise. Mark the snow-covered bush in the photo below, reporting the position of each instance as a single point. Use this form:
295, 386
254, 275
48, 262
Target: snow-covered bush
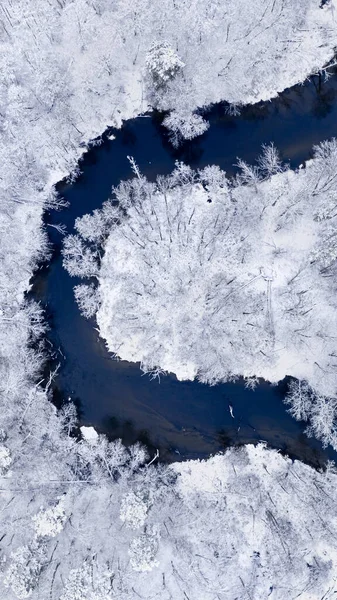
320, 411
184, 126
163, 63
143, 550
50, 522
67, 70
213, 279
5, 459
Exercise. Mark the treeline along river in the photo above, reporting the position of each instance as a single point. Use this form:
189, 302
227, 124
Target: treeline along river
182, 419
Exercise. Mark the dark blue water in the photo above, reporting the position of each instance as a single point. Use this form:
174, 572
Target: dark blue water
183, 419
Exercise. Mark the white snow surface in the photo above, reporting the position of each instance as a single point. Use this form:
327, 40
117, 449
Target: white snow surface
89, 434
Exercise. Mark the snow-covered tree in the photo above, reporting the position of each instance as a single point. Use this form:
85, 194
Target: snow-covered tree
25, 568
5, 460
163, 63
91, 581
77, 258
133, 510
143, 550
184, 126
67, 70
216, 279
87, 298
68, 416
320, 411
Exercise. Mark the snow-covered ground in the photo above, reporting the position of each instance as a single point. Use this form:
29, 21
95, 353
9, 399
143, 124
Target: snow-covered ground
249, 523
68, 70
212, 279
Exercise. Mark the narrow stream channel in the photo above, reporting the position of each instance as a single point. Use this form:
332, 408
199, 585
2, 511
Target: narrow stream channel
182, 419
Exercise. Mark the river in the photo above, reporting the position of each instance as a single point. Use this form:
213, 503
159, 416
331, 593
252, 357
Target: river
182, 419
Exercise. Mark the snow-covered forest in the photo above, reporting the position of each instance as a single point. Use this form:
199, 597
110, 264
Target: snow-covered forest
98, 524
215, 279
81, 518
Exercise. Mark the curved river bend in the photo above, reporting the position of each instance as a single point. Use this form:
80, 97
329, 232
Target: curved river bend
183, 419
